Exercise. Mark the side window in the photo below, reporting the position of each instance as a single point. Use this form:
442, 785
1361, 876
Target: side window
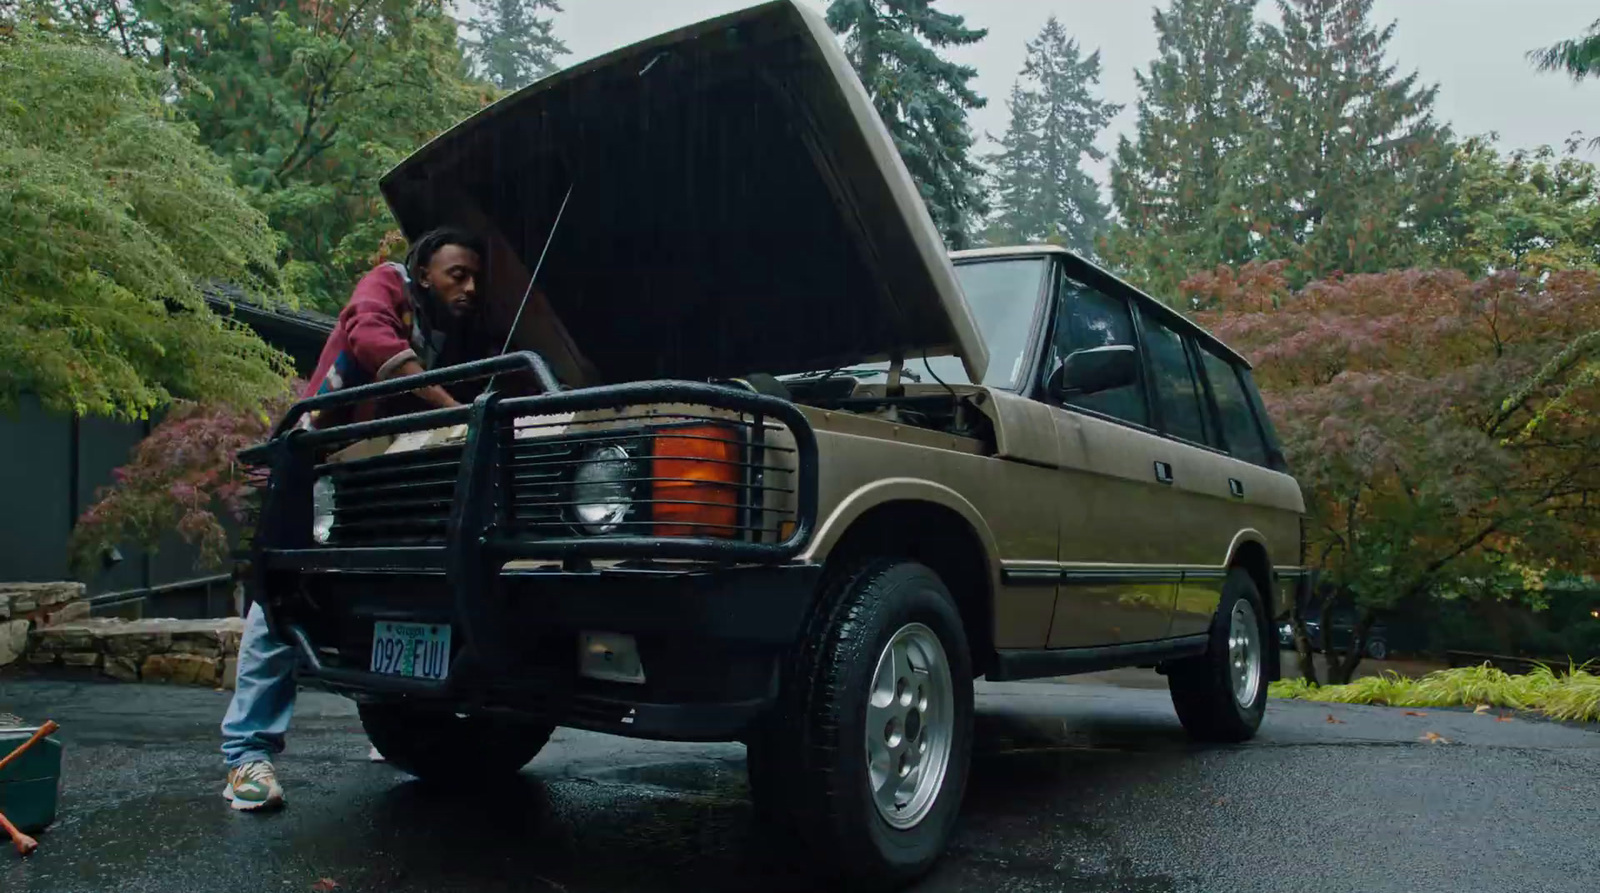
1275, 457
1090, 318
1239, 428
1177, 390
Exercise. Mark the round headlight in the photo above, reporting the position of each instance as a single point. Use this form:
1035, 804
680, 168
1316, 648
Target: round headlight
322, 497
601, 489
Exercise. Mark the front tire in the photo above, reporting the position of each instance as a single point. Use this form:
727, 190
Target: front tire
867, 757
1222, 695
436, 744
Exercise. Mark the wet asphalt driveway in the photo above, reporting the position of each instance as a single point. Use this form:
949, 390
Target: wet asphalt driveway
1075, 787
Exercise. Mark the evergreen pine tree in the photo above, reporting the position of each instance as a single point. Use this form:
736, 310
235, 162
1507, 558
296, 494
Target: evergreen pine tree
514, 45
1352, 173
1043, 193
1176, 183
1579, 57
309, 104
922, 97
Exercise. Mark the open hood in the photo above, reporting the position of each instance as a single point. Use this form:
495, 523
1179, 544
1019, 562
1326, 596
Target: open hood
736, 206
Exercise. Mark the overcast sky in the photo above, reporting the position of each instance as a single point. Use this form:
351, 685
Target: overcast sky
1473, 49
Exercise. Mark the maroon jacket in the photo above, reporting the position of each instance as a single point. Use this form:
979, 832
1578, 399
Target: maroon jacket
377, 332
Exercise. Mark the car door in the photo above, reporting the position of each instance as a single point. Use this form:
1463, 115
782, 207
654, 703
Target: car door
1245, 494
1113, 588
1201, 504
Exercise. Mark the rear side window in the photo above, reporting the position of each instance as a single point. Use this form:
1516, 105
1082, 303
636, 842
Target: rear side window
1177, 392
1239, 429
1275, 457
1090, 318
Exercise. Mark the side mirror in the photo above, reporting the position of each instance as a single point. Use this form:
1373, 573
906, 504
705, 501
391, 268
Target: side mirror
1092, 371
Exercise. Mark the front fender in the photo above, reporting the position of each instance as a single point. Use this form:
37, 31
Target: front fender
899, 490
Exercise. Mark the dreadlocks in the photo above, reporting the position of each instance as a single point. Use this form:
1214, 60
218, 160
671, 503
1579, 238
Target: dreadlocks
423, 249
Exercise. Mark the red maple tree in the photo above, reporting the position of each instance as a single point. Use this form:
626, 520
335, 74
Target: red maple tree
184, 477
1444, 429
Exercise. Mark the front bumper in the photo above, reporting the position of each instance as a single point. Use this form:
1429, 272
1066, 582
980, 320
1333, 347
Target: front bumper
712, 616
709, 640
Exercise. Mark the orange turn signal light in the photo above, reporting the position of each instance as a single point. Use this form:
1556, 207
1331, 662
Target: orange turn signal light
696, 486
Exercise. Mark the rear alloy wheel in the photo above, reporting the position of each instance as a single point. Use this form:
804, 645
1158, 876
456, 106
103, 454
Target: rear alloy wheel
1222, 694
436, 744
867, 759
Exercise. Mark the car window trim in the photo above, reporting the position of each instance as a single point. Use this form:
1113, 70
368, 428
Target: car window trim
1039, 337
1047, 344
1210, 409
1252, 395
1244, 390
1149, 364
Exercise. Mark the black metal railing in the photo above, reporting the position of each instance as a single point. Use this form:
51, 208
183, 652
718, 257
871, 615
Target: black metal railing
748, 494
521, 361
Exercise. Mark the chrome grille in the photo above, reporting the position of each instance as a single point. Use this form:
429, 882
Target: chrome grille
395, 499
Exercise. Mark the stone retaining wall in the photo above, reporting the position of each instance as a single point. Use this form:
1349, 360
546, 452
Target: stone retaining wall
25, 606
185, 652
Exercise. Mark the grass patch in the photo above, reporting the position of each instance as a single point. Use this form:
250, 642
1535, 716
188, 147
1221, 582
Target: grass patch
1573, 695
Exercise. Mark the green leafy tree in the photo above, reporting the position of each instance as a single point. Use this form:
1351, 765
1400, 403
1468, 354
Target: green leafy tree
311, 102
1043, 193
1177, 184
1578, 57
1444, 429
117, 23
515, 46
1533, 211
922, 97
1349, 171
114, 215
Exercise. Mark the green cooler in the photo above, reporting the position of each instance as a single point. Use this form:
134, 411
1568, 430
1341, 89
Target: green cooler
30, 785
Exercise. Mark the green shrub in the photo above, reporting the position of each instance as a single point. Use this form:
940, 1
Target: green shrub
1572, 695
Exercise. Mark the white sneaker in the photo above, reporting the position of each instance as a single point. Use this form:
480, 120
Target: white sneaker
253, 786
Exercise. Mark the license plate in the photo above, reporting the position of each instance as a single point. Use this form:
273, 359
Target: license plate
417, 650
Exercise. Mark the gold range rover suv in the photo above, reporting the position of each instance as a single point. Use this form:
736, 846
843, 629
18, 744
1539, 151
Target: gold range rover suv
767, 464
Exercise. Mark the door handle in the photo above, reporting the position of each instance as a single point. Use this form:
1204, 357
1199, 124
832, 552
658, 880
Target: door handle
1236, 487
1164, 472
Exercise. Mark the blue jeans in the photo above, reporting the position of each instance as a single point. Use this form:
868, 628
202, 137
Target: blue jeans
263, 697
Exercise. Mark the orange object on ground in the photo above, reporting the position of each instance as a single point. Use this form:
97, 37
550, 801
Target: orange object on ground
49, 728
25, 844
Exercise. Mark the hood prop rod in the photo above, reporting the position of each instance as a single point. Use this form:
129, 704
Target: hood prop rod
532, 278
897, 362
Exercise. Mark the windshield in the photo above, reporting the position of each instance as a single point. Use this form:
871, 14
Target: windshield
1003, 295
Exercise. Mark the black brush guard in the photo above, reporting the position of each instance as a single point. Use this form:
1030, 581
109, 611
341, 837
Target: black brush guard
474, 552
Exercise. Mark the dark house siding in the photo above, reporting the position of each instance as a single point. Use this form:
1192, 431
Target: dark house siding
54, 465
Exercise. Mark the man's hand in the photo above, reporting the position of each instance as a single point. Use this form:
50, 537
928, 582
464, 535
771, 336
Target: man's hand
434, 395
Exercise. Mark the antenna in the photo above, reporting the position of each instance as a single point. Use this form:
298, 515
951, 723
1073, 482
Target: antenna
534, 277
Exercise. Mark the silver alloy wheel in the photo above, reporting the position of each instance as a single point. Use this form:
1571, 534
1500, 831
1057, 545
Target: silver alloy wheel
910, 724
1244, 653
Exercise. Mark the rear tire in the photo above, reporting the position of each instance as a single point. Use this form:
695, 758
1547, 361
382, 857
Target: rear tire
435, 744
866, 759
1222, 695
